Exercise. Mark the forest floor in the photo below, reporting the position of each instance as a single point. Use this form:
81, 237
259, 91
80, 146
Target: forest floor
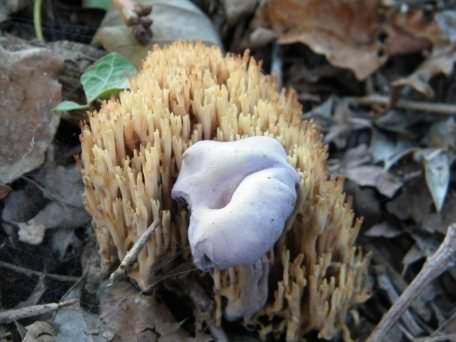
376, 77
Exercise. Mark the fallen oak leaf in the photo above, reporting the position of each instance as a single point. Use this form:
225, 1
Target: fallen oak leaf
336, 29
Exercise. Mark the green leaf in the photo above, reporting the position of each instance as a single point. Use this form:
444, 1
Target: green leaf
100, 4
107, 76
69, 105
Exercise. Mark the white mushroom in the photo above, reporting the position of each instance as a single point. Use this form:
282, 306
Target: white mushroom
240, 194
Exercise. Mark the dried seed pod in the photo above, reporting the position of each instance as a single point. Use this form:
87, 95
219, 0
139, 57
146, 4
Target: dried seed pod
132, 152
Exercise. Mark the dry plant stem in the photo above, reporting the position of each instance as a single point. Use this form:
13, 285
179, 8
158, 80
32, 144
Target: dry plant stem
29, 272
132, 254
9, 316
136, 16
439, 262
437, 108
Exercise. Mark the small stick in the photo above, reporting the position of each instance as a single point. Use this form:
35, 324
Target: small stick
437, 108
9, 316
439, 262
132, 254
28, 272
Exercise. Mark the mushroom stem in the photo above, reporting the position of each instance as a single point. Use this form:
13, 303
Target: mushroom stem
439, 262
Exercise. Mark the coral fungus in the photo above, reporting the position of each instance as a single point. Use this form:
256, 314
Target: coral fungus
132, 152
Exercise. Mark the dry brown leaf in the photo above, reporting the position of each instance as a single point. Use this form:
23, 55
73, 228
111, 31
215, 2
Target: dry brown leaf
29, 90
375, 176
415, 203
172, 20
130, 316
356, 34
439, 63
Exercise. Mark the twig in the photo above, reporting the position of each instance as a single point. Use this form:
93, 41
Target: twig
132, 254
49, 194
439, 262
37, 15
29, 272
9, 316
437, 108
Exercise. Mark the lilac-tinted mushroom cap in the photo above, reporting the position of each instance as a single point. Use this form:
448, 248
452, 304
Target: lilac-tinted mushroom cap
240, 194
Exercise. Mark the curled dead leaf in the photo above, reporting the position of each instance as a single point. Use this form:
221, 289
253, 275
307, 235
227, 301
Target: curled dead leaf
357, 34
440, 62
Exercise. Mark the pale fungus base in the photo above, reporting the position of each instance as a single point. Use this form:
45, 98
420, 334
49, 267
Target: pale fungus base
131, 154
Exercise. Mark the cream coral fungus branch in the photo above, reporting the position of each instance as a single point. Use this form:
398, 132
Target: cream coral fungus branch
439, 262
133, 151
132, 254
